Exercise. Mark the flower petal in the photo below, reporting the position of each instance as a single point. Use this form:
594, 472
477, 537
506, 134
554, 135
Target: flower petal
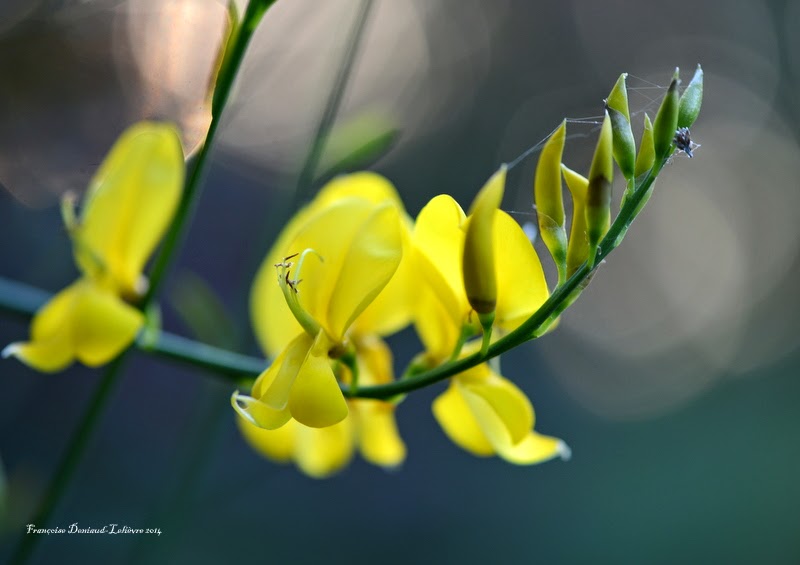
48, 356
378, 439
320, 452
365, 185
50, 348
434, 325
277, 445
273, 322
252, 409
439, 241
503, 412
393, 308
102, 325
258, 413
535, 448
276, 394
371, 259
459, 423
331, 233
315, 399
521, 286
130, 203
82, 321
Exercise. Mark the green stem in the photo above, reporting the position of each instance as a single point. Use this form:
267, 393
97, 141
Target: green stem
227, 75
24, 300
463, 336
288, 204
334, 102
230, 366
350, 361
71, 458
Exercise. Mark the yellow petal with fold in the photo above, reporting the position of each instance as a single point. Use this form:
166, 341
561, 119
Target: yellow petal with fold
521, 285
284, 372
315, 399
503, 412
277, 444
535, 448
439, 241
369, 263
102, 325
314, 227
459, 423
81, 322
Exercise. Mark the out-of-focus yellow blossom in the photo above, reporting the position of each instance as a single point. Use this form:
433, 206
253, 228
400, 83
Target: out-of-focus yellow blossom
356, 286
481, 411
127, 208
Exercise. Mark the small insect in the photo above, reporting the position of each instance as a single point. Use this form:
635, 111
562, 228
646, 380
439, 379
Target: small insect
683, 142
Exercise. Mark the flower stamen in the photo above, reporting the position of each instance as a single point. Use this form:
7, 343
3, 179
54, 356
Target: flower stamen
288, 286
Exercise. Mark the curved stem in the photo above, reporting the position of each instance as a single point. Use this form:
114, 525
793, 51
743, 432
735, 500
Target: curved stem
527, 329
23, 300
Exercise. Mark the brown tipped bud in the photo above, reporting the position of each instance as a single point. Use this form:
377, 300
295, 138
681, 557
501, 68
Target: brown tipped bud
598, 195
666, 122
480, 279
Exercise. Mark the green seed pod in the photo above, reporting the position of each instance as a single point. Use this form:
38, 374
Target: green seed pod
578, 249
666, 122
598, 195
647, 157
480, 279
624, 144
549, 200
691, 100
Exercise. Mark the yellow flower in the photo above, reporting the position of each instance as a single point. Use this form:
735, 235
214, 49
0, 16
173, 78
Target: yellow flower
126, 210
486, 414
370, 427
353, 287
439, 243
481, 411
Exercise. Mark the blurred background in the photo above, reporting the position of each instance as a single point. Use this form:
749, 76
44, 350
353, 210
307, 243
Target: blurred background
674, 379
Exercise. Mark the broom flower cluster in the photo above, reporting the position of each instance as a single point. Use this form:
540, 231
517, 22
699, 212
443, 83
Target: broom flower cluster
351, 268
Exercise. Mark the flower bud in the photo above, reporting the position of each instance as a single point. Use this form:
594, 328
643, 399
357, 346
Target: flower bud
691, 100
598, 195
666, 122
578, 249
549, 200
647, 156
624, 144
480, 280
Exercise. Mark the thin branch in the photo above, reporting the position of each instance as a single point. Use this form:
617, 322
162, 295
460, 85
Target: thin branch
23, 300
